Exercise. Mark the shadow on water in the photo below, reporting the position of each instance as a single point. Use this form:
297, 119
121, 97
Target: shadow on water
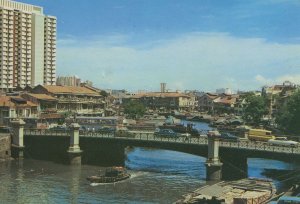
283, 174
166, 162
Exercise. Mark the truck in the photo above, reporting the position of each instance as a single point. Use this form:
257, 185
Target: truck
260, 135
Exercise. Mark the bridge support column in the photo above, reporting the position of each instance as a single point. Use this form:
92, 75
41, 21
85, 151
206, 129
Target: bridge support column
74, 149
17, 138
213, 164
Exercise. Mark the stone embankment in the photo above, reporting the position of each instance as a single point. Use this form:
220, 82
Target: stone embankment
5, 147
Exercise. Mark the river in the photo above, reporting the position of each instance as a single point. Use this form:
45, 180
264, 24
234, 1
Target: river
158, 176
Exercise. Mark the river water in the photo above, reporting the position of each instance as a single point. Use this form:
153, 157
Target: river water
158, 176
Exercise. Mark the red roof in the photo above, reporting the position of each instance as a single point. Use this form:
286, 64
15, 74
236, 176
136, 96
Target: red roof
42, 97
226, 100
69, 90
211, 95
6, 101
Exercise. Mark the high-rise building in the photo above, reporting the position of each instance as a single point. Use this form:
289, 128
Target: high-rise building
27, 45
68, 81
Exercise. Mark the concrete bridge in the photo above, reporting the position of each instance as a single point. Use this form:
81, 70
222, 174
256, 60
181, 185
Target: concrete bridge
147, 139
95, 147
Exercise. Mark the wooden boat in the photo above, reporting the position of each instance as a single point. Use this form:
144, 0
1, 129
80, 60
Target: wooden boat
111, 175
179, 128
249, 190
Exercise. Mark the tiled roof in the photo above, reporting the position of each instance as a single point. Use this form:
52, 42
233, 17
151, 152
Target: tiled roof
91, 88
70, 90
42, 96
160, 95
5, 101
212, 96
226, 100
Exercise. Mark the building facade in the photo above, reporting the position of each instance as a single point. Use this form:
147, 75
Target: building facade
72, 99
27, 44
206, 102
16, 107
68, 81
277, 96
166, 101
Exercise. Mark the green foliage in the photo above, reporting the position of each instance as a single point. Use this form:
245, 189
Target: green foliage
255, 109
103, 93
134, 109
61, 121
222, 109
247, 95
67, 114
288, 117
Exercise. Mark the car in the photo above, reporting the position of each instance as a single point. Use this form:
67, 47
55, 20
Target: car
283, 141
124, 133
59, 129
229, 137
166, 133
106, 130
185, 134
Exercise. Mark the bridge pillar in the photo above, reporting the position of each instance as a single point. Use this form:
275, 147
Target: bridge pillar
74, 149
17, 138
213, 163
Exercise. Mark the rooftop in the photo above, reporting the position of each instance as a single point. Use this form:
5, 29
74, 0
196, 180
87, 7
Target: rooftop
42, 97
70, 90
8, 101
160, 95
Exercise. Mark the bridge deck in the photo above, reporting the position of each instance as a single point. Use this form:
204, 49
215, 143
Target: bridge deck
149, 136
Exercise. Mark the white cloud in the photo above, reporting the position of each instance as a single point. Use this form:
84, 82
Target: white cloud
262, 80
292, 78
278, 80
203, 61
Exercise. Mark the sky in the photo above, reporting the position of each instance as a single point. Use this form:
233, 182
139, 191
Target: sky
188, 44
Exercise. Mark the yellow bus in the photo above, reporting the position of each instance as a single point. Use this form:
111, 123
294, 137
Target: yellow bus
260, 135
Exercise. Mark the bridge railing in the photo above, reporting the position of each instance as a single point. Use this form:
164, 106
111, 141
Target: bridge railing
149, 136
146, 136
260, 146
251, 145
46, 132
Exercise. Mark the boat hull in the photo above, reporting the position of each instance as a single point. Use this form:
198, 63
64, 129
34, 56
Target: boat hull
106, 179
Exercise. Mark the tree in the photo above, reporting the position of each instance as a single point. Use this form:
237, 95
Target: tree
134, 109
255, 109
103, 93
288, 117
247, 95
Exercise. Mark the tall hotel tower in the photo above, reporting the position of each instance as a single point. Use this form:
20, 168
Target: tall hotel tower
27, 46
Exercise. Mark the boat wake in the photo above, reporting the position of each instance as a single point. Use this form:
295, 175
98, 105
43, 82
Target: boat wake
138, 174
132, 175
100, 184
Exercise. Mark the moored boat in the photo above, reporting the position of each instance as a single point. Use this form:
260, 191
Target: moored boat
179, 128
111, 175
250, 190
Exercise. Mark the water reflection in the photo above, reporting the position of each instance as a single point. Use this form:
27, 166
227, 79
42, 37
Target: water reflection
158, 176
258, 167
74, 185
